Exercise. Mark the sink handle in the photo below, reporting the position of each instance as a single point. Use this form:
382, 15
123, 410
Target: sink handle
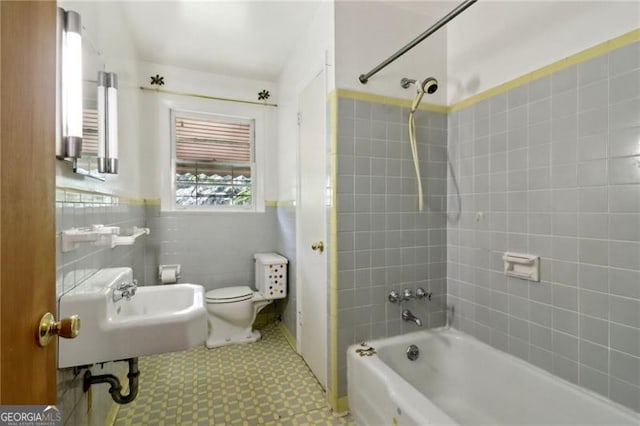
125, 290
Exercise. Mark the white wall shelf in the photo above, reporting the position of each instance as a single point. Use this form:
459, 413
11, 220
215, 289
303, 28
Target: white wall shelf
99, 235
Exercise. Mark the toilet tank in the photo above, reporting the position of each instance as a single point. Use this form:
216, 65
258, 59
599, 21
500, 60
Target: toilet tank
271, 275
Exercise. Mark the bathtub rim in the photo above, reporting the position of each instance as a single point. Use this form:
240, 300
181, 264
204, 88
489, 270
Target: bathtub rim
400, 392
456, 334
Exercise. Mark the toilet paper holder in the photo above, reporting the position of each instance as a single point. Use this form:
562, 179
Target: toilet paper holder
177, 268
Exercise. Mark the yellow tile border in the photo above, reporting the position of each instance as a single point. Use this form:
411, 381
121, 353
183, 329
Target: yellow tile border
343, 406
589, 53
280, 203
157, 201
288, 336
584, 55
387, 100
136, 201
332, 389
286, 203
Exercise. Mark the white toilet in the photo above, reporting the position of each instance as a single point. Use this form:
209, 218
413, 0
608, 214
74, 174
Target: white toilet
232, 310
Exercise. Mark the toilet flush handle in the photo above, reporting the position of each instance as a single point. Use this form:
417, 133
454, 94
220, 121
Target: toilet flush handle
319, 246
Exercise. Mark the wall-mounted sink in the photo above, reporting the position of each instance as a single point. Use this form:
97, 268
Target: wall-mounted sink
156, 319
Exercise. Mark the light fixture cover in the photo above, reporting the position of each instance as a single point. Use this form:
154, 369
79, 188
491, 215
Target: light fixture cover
107, 122
72, 85
112, 122
102, 108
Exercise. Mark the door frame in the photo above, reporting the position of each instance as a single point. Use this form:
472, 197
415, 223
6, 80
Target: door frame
318, 70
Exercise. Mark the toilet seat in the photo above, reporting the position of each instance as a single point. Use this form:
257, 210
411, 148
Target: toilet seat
229, 294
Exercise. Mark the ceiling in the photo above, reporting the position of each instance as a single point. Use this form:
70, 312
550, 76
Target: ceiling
251, 39
434, 9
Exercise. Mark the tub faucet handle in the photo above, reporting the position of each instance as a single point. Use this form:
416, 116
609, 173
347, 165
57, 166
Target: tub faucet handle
421, 294
394, 297
407, 294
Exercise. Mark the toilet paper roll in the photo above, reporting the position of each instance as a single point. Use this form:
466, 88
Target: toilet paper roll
168, 276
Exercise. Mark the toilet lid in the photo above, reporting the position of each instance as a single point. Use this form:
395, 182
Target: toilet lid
229, 294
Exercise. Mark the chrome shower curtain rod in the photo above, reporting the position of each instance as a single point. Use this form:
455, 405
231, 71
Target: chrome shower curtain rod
435, 27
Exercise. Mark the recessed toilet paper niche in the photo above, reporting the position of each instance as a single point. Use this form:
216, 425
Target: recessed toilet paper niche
169, 274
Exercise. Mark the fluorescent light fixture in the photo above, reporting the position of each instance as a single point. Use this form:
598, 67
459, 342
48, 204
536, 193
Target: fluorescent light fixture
102, 136
71, 85
112, 122
107, 122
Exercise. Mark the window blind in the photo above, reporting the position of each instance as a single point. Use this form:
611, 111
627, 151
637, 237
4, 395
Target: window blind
213, 161
212, 140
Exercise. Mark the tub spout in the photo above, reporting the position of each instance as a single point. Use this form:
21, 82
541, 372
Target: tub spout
409, 317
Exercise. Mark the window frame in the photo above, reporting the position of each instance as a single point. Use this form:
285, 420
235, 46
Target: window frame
257, 203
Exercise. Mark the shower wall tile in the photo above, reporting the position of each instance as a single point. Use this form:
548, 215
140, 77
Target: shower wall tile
384, 242
564, 183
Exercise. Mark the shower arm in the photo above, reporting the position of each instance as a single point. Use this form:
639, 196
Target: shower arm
432, 29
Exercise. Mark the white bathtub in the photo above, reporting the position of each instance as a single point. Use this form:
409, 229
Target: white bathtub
460, 380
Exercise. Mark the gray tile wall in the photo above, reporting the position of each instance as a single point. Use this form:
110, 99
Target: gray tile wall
77, 209
82, 209
215, 250
384, 243
286, 246
553, 168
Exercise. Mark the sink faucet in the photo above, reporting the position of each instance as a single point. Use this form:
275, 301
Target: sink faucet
409, 317
125, 291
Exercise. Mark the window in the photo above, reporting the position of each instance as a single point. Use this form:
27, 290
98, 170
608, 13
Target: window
214, 161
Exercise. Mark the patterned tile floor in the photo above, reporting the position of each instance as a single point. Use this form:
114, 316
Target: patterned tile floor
262, 383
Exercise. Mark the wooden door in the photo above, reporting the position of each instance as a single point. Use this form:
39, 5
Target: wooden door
27, 203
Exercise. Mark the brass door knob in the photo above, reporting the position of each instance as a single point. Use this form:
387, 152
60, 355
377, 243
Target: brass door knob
49, 327
319, 246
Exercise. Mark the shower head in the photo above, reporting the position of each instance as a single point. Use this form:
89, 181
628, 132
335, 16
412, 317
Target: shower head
428, 85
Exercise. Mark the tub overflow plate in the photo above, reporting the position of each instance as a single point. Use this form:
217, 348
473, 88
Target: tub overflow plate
413, 352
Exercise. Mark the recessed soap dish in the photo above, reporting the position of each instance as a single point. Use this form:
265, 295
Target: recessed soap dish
523, 266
